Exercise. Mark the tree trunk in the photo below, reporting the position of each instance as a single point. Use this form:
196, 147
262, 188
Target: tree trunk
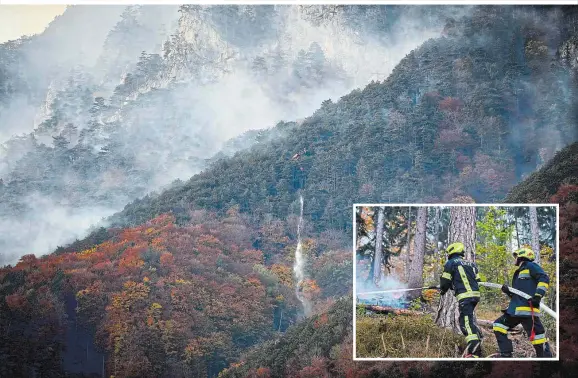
378, 246
416, 268
437, 253
462, 229
517, 232
408, 256
535, 232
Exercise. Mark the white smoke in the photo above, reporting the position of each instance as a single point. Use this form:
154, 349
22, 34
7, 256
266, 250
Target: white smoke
386, 282
203, 116
55, 223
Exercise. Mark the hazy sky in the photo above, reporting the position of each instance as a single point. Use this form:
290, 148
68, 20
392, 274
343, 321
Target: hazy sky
19, 20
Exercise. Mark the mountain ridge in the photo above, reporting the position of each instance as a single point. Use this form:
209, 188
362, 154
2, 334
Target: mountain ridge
115, 127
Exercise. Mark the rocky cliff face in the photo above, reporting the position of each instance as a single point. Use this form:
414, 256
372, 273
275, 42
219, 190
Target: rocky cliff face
147, 94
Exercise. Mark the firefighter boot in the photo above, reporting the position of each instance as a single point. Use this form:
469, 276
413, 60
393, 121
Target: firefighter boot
543, 350
475, 348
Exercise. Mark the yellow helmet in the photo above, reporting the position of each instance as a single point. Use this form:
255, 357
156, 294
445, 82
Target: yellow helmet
524, 252
455, 248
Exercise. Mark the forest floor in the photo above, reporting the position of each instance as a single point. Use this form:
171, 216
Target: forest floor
417, 336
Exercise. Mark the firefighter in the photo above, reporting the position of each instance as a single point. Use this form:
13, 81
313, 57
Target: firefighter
462, 277
531, 279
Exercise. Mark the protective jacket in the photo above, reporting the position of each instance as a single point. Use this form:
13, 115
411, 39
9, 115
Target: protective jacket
462, 276
532, 280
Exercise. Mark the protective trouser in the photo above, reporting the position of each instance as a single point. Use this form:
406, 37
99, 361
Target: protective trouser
506, 322
469, 327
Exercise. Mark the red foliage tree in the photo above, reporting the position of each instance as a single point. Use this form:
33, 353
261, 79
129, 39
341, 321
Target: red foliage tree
167, 260
453, 139
451, 104
27, 262
17, 302
317, 369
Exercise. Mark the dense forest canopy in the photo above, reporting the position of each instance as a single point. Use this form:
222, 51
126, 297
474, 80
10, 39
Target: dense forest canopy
163, 300
459, 115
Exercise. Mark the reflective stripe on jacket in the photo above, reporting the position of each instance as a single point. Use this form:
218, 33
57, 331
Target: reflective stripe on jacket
532, 280
462, 276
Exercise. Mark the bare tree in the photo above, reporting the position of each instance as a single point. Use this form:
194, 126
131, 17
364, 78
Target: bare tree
416, 268
462, 229
535, 232
378, 245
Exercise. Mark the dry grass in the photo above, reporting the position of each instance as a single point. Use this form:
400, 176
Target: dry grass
417, 337
404, 336
407, 336
490, 314
381, 336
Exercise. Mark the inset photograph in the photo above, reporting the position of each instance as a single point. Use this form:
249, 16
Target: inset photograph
455, 281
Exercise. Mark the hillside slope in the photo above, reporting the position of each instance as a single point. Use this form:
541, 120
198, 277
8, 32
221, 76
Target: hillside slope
468, 113
161, 299
297, 352
157, 299
542, 184
160, 91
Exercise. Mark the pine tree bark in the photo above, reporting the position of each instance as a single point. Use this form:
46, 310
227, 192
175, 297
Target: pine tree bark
462, 229
408, 255
437, 252
535, 232
378, 245
517, 232
416, 267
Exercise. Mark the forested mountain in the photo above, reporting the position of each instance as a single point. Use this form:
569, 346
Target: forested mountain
300, 353
182, 282
161, 299
93, 120
471, 112
562, 169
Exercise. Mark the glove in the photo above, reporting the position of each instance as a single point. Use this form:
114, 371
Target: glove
506, 290
535, 301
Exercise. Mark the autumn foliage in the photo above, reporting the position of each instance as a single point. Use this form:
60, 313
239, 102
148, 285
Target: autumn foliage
451, 104
162, 298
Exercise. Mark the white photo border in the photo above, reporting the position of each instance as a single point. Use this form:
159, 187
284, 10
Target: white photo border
556, 205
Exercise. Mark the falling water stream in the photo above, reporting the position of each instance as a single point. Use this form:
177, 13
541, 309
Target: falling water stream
299, 264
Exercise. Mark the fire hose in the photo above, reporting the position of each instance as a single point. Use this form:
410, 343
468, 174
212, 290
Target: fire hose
543, 307
398, 290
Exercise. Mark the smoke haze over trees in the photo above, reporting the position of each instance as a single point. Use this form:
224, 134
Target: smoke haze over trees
91, 121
